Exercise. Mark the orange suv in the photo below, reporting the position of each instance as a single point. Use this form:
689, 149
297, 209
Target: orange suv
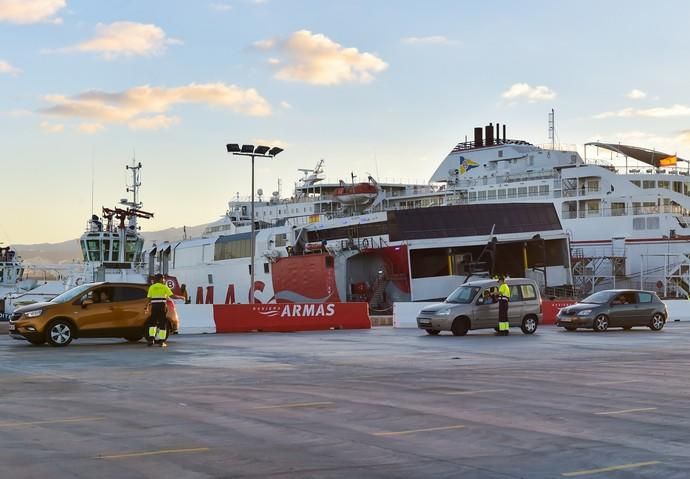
94, 310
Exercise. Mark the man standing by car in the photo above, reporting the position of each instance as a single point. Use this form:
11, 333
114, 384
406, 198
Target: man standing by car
158, 294
503, 298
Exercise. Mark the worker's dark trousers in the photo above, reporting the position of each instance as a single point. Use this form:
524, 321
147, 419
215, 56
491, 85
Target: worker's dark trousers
502, 314
158, 318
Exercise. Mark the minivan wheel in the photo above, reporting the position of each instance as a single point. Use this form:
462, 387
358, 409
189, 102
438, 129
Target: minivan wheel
432, 332
570, 328
460, 327
60, 333
657, 322
601, 323
529, 325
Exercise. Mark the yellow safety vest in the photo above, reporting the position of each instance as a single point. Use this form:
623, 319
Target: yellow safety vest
504, 290
159, 291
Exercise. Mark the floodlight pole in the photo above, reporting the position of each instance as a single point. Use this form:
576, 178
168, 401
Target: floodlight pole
262, 152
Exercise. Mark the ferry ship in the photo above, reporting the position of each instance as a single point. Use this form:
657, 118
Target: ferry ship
493, 206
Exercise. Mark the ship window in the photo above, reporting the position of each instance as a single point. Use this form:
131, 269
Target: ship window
636, 183
501, 194
617, 209
648, 184
473, 196
543, 190
677, 186
280, 240
491, 194
638, 223
531, 160
512, 193
533, 190
481, 195
266, 268
500, 153
522, 191
665, 184
652, 222
573, 159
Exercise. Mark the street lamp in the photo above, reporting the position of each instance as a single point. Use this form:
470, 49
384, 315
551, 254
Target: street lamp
260, 151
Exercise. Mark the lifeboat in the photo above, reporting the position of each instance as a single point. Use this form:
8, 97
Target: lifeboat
359, 194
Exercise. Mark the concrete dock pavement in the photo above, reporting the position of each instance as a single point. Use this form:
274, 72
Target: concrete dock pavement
375, 403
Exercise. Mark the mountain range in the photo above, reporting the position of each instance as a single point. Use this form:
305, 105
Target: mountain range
70, 252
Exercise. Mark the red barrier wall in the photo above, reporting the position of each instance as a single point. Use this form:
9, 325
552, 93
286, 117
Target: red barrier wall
235, 318
550, 308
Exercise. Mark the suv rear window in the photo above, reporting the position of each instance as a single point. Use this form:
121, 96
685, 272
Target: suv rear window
128, 293
645, 297
528, 291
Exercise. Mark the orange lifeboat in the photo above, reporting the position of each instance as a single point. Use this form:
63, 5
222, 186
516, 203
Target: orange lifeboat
359, 194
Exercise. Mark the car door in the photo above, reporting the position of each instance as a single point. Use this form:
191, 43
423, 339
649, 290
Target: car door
94, 315
515, 305
623, 310
645, 308
129, 304
485, 313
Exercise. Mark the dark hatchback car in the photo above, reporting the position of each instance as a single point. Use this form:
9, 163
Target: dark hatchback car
615, 308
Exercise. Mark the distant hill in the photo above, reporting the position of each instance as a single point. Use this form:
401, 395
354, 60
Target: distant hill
69, 251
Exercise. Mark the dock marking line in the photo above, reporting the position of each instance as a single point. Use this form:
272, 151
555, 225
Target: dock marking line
295, 405
623, 411
153, 453
607, 383
608, 469
413, 431
52, 421
469, 393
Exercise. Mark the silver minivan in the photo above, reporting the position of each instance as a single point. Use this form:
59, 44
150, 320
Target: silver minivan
473, 306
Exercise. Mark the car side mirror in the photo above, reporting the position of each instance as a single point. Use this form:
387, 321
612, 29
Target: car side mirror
86, 302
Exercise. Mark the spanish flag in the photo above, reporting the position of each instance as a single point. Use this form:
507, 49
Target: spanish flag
668, 161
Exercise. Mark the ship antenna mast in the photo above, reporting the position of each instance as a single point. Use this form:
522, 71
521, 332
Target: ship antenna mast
136, 183
552, 129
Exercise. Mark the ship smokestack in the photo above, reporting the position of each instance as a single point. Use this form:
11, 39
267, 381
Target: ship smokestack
504, 133
478, 142
489, 134
498, 134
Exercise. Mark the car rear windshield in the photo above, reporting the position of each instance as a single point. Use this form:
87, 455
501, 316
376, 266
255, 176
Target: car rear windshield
599, 298
463, 295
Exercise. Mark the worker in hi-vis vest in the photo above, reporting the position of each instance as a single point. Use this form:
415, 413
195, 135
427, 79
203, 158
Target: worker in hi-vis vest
503, 298
158, 295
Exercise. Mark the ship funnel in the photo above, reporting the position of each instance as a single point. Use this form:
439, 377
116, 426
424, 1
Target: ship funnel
498, 134
504, 133
489, 134
478, 142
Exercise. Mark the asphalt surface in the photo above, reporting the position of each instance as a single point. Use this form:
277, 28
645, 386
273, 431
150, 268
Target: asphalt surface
383, 403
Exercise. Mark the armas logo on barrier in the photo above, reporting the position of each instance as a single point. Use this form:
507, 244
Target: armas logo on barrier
295, 310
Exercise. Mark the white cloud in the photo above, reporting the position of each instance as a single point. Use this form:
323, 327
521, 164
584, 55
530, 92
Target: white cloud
19, 113
684, 137
220, 7
656, 112
318, 60
7, 69
143, 106
286, 105
155, 122
279, 143
125, 39
273, 61
536, 93
30, 11
429, 40
636, 94
52, 127
90, 128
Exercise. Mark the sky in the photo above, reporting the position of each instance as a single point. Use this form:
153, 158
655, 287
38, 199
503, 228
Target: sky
376, 87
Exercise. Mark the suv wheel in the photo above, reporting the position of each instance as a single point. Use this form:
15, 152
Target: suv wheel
432, 332
529, 325
460, 326
657, 322
601, 323
60, 333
